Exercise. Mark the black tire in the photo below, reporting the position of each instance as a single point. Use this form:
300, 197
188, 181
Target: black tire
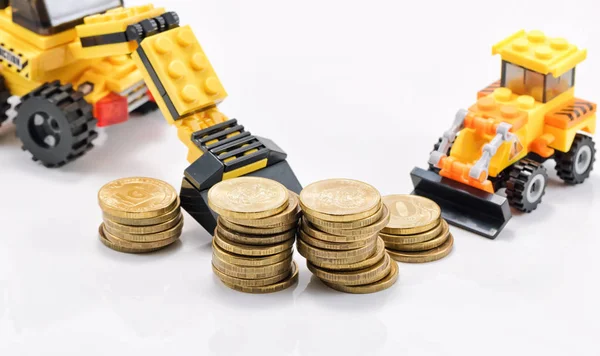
146, 108
526, 185
435, 148
55, 124
4, 96
574, 167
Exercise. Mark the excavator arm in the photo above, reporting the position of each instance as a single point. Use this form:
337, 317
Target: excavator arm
187, 90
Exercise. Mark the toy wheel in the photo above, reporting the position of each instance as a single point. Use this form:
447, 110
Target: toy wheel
435, 148
55, 124
526, 185
575, 166
4, 96
146, 108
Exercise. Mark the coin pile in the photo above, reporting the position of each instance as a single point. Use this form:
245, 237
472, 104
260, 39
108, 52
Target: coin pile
339, 236
140, 215
416, 232
254, 239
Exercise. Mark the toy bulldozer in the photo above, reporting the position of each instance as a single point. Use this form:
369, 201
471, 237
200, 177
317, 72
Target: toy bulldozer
528, 117
79, 65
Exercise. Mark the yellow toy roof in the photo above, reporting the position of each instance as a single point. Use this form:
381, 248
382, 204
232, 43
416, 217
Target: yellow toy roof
535, 51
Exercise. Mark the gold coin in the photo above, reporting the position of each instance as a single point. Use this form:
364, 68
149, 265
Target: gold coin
318, 234
363, 231
137, 197
335, 245
248, 198
142, 230
411, 214
378, 286
353, 278
246, 272
424, 256
146, 221
289, 216
247, 250
250, 282
152, 245
415, 238
250, 261
255, 239
425, 245
357, 254
157, 236
347, 225
370, 261
286, 283
256, 230
340, 200
115, 247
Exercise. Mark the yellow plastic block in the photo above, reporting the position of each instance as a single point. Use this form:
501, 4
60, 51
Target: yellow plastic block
242, 171
116, 20
564, 138
187, 76
535, 51
115, 49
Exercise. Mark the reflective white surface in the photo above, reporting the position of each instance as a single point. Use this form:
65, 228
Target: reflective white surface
348, 89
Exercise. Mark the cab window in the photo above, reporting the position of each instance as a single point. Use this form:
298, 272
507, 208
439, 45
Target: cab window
542, 88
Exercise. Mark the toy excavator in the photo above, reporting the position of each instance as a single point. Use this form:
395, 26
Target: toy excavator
531, 115
81, 64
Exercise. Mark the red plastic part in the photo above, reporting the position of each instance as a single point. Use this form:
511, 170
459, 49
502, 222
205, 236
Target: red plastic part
112, 109
151, 97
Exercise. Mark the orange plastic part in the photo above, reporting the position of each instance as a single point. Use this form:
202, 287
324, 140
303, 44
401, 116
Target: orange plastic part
571, 114
540, 145
486, 114
458, 171
488, 90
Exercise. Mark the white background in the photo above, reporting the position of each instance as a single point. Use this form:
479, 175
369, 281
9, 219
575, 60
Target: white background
357, 89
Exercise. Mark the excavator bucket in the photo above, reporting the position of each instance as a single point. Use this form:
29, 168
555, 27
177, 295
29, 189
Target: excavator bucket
463, 206
227, 156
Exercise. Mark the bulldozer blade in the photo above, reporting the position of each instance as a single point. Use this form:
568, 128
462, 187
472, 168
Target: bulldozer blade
467, 207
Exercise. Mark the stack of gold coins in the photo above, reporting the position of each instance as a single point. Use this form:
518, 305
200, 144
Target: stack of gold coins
254, 239
339, 236
416, 232
140, 215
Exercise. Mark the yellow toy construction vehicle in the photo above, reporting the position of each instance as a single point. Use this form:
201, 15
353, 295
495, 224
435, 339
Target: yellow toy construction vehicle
531, 115
78, 65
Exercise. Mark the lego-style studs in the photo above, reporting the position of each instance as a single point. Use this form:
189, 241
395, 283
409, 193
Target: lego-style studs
198, 62
526, 102
520, 45
502, 94
163, 45
559, 44
190, 93
211, 86
509, 112
536, 36
176, 69
185, 38
486, 104
543, 52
